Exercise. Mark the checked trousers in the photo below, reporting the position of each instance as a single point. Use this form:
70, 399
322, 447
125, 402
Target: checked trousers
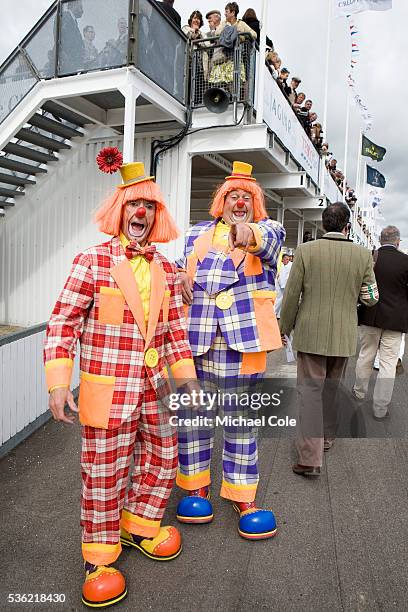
106, 505
218, 370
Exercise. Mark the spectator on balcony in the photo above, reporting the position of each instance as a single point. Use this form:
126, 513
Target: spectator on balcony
351, 198
332, 165
231, 19
282, 78
290, 90
90, 51
168, 8
338, 178
300, 98
72, 50
324, 152
222, 62
121, 43
193, 28
308, 105
304, 114
214, 20
308, 123
274, 63
316, 134
115, 51
252, 21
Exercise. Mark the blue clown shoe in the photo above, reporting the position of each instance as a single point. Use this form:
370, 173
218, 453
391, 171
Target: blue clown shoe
196, 507
254, 523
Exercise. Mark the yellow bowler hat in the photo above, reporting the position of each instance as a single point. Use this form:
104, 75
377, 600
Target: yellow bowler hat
133, 173
241, 170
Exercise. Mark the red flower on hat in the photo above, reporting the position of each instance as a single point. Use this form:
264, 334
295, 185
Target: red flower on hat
109, 160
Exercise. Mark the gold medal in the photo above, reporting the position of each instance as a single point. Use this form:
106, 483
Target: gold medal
151, 358
224, 300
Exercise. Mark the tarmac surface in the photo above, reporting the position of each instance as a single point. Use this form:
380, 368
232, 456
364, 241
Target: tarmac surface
342, 542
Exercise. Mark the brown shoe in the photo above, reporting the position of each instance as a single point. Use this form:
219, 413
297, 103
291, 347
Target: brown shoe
306, 470
400, 368
382, 418
328, 443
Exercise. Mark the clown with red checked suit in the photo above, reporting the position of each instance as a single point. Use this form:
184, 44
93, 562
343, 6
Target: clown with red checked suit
228, 273
123, 302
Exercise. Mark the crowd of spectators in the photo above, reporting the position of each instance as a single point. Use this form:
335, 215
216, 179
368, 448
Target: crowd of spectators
249, 24
297, 99
339, 178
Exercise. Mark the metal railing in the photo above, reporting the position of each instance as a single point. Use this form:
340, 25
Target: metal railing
232, 70
79, 36
24, 396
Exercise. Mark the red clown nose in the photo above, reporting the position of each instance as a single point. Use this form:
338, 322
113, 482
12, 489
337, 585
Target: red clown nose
240, 203
140, 212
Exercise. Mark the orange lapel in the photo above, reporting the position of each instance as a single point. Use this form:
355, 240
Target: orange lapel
203, 243
253, 265
157, 288
125, 280
237, 255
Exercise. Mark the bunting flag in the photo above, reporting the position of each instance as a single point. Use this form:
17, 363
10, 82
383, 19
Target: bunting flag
342, 8
369, 149
364, 112
374, 198
355, 47
355, 52
375, 178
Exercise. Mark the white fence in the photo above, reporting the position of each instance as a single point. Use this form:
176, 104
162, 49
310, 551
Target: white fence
24, 397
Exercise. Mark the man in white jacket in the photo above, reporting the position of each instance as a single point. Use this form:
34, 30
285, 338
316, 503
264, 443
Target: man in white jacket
281, 281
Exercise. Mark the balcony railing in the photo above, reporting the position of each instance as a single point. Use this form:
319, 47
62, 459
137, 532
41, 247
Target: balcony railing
232, 70
79, 36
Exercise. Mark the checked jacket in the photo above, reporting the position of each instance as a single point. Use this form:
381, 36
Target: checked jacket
100, 306
248, 278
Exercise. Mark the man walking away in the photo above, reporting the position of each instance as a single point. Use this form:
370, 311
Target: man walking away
330, 275
382, 326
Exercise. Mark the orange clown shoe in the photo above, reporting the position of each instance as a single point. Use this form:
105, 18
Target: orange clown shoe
164, 547
103, 586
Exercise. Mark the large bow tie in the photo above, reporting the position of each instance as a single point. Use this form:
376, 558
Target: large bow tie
133, 249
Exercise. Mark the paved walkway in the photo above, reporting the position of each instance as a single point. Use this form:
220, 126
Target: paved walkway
342, 543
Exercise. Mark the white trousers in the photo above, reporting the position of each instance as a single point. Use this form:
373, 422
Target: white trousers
388, 344
400, 356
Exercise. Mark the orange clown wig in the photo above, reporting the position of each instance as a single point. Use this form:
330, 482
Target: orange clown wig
139, 187
240, 179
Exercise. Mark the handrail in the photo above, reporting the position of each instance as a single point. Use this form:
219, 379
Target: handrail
38, 68
30, 34
24, 333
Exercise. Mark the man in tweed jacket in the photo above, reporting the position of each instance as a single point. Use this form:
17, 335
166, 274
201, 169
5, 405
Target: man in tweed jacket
328, 277
122, 301
228, 270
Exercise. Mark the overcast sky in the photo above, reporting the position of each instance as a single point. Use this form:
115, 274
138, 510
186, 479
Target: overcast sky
298, 30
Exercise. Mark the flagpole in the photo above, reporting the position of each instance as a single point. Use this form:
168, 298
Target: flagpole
365, 195
358, 178
346, 139
326, 92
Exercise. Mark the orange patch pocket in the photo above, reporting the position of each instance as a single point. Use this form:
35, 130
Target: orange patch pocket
166, 305
111, 306
266, 322
95, 399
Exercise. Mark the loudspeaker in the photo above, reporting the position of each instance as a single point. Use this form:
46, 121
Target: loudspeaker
216, 100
